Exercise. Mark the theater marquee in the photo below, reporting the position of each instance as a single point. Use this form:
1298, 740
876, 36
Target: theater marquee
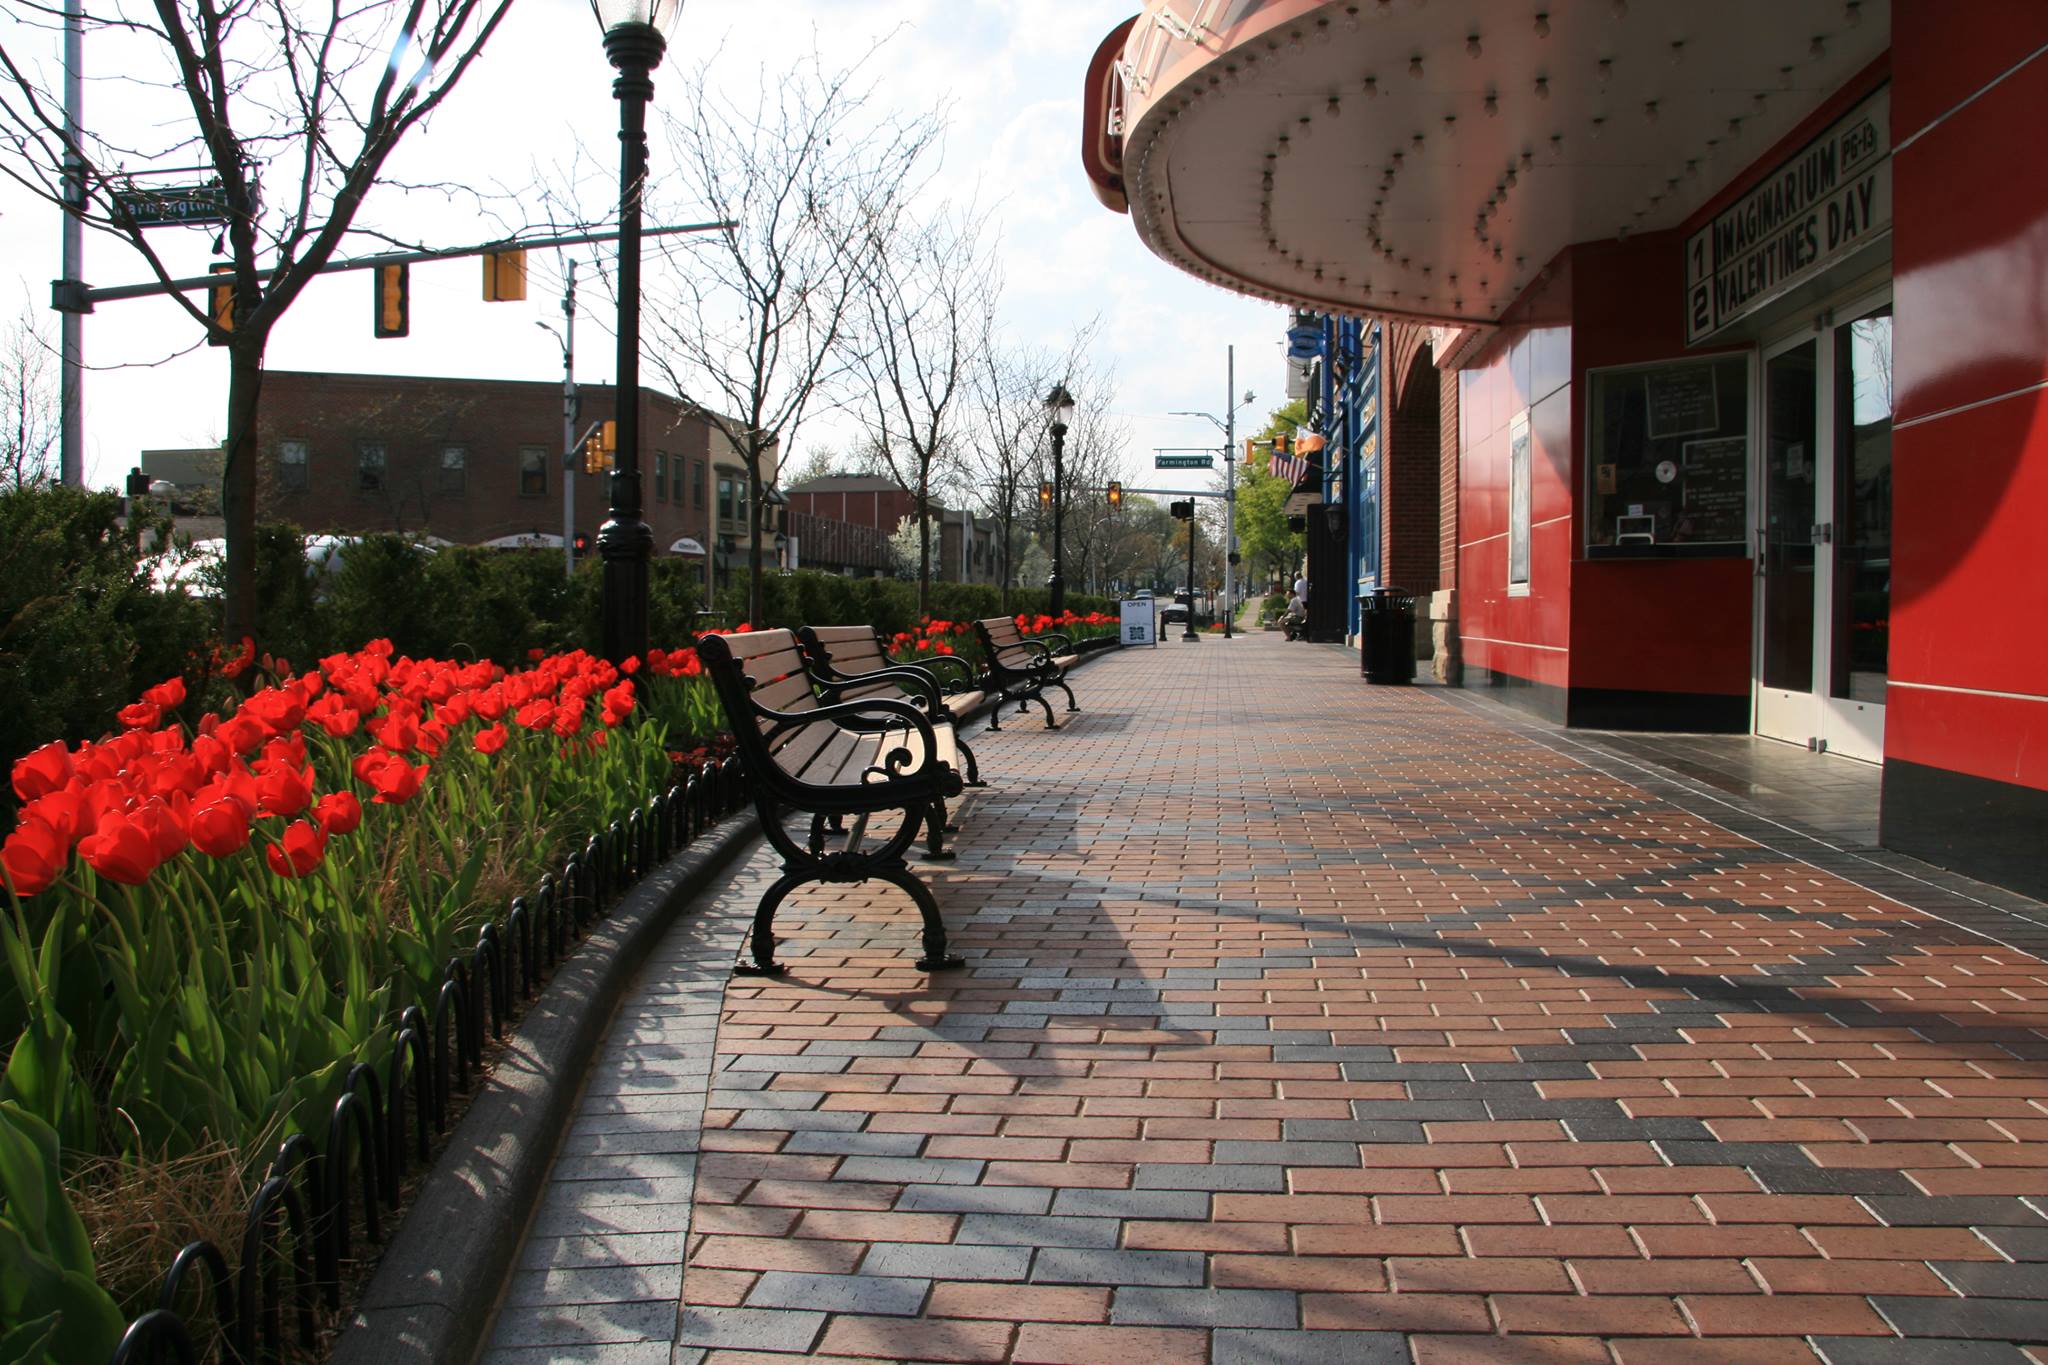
1825, 203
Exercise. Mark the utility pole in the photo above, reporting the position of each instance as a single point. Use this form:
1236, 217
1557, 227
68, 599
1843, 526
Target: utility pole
570, 454
1229, 489
70, 384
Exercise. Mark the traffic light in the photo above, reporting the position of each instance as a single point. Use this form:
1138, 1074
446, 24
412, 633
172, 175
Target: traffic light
1044, 494
1116, 496
581, 544
599, 447
221, 304
504, 276
1183, 510
394, 296
1280, 444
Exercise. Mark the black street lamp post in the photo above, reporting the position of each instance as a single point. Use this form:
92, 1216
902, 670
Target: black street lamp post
1060, 404
634, 40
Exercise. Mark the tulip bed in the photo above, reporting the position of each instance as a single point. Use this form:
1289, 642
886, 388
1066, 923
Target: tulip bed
958, 638
213, 917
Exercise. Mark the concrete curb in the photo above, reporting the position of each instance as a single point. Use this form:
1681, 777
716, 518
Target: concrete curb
437, 1285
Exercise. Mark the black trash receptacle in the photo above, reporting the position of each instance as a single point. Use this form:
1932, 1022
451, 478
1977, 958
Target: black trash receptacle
1386, 636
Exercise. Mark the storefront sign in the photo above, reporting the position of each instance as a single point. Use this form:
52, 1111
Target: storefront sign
1831, 198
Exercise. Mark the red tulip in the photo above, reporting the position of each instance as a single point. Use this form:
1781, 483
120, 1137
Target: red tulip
299, 852
42, 771
121, 850
140, 715
166, 831
32, 857
167, 694
536, 715
338, 813
394, 780
398, 732
630, 666
282, 789
220, 827
491, 739
67, 813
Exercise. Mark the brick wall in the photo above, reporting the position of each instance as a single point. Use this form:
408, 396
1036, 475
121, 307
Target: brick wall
492, 422
1411, 493
1447, 462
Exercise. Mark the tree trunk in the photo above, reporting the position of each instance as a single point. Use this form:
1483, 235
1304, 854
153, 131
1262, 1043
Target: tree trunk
755, 587
238, 489
1009, 520
924, 549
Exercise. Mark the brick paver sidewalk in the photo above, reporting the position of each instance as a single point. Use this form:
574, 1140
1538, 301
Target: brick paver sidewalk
1307, 1021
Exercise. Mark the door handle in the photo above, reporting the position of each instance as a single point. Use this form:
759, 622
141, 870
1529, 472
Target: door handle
1823, 532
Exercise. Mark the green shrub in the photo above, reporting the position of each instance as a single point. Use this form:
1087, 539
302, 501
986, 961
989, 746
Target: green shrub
81, 631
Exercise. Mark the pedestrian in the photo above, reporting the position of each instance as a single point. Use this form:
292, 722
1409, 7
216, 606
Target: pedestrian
1295, 617
1301, 586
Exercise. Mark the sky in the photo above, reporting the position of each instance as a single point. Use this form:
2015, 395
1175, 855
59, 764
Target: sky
1011, 76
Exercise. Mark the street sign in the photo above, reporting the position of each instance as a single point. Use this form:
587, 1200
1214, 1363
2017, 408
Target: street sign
172, 207
1183, 461
1304, 342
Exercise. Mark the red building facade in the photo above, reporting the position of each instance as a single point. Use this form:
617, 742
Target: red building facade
1739, 315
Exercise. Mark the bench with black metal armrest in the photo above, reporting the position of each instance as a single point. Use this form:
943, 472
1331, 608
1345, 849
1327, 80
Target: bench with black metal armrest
850, 662
1022, 668
858, 758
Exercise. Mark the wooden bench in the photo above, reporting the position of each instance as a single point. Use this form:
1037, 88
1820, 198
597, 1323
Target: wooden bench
1022, 668
851, 662
857, 758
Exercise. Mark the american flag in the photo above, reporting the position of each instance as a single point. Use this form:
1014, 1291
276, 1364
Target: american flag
1305, 457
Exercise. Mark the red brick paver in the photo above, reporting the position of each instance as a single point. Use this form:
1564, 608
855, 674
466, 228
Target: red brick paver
1296, 1006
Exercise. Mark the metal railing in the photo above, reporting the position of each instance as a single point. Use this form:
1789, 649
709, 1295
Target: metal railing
296, 1236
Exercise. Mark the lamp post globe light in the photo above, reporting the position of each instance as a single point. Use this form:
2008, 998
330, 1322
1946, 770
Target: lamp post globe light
1059, 405
635, 36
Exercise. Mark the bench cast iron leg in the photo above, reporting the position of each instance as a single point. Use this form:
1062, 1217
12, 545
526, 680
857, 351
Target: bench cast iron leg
1045, 706
935, 958
1072, 705
973, 768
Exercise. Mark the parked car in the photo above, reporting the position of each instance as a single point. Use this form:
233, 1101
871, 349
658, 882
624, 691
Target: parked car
1174, 614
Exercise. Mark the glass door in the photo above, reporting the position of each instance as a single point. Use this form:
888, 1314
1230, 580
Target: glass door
1824, 542
1786, 562
1860, 538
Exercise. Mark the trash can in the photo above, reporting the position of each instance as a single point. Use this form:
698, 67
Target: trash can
1386, 636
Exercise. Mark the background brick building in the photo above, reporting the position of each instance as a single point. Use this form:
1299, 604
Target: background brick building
470, 460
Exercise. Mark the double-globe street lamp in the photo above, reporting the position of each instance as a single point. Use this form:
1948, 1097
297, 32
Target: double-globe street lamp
1059, 405
635, 36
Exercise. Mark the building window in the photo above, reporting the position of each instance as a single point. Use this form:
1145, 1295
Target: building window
533, 471
1518, 506
454, 468
725, 499
1667, 452
370, 466
675, 470
291, 464
697, 484
660, 477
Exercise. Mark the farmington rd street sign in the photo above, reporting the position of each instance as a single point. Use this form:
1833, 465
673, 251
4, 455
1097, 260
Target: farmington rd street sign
1183, 461
172, 207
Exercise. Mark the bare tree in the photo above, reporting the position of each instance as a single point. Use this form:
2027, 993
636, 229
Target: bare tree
294, 109
927, 313
1008, 406
28, 391
747, 324
1003, 465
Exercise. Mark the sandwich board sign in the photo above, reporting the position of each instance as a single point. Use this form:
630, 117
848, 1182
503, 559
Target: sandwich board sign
1140, 626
